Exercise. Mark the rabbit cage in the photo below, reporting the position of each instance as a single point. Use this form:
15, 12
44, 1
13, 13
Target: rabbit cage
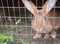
15, 21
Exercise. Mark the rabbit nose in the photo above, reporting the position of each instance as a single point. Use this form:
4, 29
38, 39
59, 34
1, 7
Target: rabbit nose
43, 34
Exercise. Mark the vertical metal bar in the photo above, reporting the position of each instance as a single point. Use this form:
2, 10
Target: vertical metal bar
25, 21
43, 3
36, 3
14, 11
4, 17
4, 12
14, 17
19, 8
8, 11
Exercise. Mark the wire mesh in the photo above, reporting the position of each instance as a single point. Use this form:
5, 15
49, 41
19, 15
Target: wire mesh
15, 20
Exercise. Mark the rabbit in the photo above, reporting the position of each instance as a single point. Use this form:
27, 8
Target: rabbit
42, 21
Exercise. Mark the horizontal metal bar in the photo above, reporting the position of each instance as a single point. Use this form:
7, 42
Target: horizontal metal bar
24, 7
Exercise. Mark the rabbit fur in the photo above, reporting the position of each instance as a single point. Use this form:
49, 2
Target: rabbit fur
43, 20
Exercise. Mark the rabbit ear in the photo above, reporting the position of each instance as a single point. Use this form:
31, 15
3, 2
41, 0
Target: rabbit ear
30, 6
49, 5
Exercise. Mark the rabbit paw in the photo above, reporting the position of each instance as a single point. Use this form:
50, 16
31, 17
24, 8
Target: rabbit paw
53, 35
37, 36
47, 36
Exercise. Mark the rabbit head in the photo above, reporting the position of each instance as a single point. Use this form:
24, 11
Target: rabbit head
38, 21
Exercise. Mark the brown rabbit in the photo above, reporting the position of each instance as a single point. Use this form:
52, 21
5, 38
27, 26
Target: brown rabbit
43, 20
